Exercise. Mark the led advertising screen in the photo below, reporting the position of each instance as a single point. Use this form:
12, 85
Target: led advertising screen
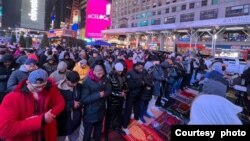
97, 18
33, 14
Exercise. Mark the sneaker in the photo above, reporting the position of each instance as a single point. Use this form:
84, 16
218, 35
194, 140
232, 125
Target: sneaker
155, 108
149, 112
148, 115
126, 130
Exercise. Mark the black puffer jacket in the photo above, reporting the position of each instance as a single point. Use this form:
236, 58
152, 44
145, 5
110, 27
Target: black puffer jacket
135, 82
95, 106
5, 72
118, 86
70, 119
149, 85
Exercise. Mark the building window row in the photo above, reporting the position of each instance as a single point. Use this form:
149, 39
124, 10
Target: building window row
187, 17
237, 11
209, 14
169, 20
156, 21
204, 15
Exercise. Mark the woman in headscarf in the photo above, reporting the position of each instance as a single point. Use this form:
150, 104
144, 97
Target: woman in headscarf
214, 110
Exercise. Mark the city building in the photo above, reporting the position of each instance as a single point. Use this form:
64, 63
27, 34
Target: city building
210, 26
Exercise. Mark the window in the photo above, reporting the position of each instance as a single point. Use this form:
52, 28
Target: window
159, 4
191, 5
167, 10
148, 7
154, 5
156, 21
174, 1
134, 25
187, 17
204, 3
173, 9
159, 12
144, 23
183, 7
168, 2
234, 36
214, 2
169, 20
133, 17
209, 14
153, 13
237, 11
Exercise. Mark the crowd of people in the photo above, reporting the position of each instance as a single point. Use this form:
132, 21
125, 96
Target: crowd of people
46, 93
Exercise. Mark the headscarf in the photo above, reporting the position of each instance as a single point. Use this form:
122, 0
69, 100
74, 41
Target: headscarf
214, 110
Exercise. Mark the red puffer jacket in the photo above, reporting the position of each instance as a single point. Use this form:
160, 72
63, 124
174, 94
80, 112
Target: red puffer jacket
17, 119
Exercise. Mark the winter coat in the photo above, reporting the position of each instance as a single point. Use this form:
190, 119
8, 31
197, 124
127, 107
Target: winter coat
70, 119
135, 82
149, 85
82, 72
129, 64
158, 77
18, 121
20, 60
58, 76
70, 63
108, 66
16, 77
118, 86
4, 76
49, 68
95, 108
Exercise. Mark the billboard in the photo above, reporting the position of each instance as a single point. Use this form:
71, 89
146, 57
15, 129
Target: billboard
97, 18
33, 14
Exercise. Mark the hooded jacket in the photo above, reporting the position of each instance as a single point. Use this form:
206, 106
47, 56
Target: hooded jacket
58, 76
70, 119
18, 121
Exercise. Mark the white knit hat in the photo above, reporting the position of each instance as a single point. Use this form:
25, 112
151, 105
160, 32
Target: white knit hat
119, 67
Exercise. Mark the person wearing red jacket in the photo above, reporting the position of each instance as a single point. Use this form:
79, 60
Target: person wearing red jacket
28, 113
129, 63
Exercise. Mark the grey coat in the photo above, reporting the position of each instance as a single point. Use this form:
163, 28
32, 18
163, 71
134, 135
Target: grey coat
158, 77
16, 77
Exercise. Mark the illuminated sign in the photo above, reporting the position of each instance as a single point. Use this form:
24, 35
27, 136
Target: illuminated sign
33, 10
33, 14
98, 18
